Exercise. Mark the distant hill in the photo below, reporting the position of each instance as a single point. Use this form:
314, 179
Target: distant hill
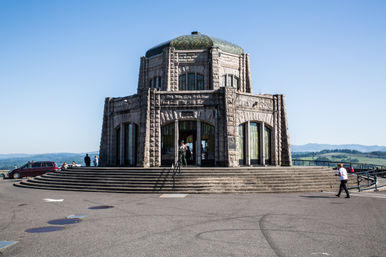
319, 147
9, 161
342, 155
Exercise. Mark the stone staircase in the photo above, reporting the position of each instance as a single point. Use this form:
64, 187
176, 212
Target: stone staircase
189, 180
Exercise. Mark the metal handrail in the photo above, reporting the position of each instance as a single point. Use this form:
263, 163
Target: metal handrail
370, 175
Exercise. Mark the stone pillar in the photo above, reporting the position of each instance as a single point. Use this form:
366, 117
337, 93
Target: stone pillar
122, 145
247, 140
248, 75
285, 142
275, 147
198, 143
262, 144
107, 137
144, 129
173, 70
176, 143
214, 68
165, 69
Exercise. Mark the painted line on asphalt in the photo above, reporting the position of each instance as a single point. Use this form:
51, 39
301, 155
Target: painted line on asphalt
173, 195
5, 244
75, 216
48, 200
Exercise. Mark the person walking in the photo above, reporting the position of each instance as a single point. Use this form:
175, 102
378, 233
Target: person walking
87, 160
95, 161
342, 173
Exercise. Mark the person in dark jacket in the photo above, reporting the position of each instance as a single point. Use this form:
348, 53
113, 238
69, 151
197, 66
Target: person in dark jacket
87, 160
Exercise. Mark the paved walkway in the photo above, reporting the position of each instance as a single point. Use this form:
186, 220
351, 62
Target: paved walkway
297, 224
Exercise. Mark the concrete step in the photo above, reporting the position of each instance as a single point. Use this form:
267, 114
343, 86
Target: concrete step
181, 183
175, 189
192, 180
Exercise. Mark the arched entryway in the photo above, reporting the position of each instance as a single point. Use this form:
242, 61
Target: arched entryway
199, 136
187, 132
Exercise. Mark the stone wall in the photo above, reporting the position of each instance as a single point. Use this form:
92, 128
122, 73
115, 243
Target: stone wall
224, 108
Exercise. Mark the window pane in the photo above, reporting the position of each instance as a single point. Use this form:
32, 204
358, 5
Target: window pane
156, 82
223, 80
118, 146
267, 147
191, 81
241, 143
229, 82
159, 83
207, 143
36, 165
130, 144
235, 82
254, 142
182, 82
200, 82
167, 144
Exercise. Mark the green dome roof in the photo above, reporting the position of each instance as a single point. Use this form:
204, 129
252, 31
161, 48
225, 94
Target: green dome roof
195, 41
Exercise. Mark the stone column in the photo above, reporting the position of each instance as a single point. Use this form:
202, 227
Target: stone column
262, 144
198, 143
214, 68
248, 75
286, 158
173, 70
176, 143
122, 144
247, 140
275, 147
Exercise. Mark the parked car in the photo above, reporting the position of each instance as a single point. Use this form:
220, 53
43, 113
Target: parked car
32, 169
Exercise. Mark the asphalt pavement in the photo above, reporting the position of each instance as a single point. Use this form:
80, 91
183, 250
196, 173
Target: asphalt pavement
294, 224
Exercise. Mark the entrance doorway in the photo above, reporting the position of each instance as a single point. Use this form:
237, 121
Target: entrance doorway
188, 133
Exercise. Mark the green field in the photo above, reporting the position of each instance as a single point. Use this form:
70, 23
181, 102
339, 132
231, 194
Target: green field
347, 156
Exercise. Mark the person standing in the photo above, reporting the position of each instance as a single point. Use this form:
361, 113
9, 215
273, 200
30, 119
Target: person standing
95, 161
342, 173
182, 153
87, 160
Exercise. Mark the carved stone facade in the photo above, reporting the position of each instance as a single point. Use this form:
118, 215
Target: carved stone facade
197, 89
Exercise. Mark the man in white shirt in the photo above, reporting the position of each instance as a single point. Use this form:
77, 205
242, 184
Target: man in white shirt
342, 173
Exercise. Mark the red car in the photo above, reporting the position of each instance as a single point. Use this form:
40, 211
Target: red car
349, 168
32, 169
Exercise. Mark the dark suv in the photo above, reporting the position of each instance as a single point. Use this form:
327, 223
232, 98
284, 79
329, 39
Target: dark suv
32, 169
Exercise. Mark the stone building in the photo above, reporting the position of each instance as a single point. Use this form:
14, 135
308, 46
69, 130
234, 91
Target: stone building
198, 89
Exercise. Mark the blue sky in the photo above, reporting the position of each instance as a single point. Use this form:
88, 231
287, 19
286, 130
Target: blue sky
60, 59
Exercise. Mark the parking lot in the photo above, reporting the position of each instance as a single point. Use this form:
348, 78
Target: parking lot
41, 223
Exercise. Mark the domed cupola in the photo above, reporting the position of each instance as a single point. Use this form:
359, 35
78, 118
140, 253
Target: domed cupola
195, 41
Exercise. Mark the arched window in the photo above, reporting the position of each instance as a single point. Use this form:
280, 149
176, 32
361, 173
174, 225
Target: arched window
191, 81
229, 80
241, 146
200, 82
167, 144
254, 142
118, 146
130, 144
267, 145
155, 82
207, 144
